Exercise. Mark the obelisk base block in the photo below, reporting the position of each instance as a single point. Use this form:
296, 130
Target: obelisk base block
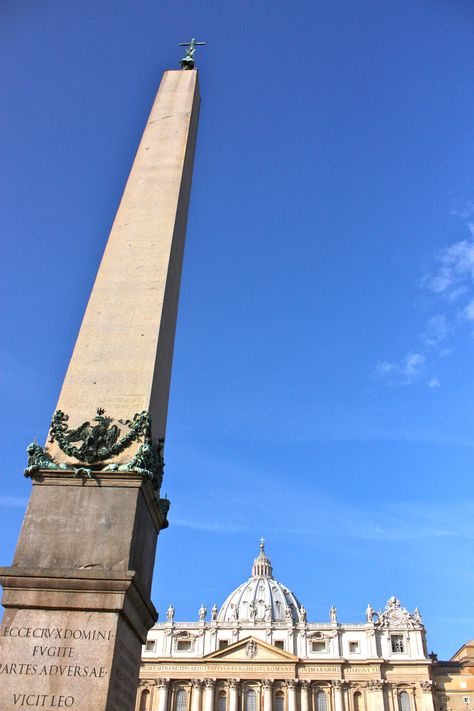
71, 638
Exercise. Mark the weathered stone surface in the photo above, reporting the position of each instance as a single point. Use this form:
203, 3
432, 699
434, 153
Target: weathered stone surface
123, 353
106, 523
63, 659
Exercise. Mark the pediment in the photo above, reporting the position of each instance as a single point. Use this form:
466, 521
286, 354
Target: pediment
252, 649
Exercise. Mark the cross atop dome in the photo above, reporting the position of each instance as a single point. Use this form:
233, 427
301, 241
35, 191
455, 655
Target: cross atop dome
262, 565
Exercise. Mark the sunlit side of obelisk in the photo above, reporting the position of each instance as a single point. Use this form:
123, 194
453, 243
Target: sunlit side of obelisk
77, 596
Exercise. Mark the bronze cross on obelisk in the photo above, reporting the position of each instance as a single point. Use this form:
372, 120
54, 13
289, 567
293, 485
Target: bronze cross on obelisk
187, 61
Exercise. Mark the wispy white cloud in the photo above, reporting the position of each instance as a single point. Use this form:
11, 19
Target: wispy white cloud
469, 311
454, 270
404, 371
397, 521
226, 508
449, 280
436, 330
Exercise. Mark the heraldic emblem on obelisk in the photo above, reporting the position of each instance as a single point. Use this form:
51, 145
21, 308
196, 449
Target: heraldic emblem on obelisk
77, 596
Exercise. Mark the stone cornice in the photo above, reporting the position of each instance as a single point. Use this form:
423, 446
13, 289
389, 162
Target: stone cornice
104, 591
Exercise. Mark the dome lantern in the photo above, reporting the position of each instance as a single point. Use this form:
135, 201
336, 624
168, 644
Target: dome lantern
262, 566
261, 599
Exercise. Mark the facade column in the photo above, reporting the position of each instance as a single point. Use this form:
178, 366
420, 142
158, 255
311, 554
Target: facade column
427, 701
375, 687
267, 695
209, 694
233, 695
197, 695
291, 692
305, 688
161, 699
337, 685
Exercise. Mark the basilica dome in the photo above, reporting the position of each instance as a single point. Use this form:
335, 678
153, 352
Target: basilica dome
262, 598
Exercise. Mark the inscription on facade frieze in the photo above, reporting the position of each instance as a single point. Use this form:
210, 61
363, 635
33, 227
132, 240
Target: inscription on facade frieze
204, 668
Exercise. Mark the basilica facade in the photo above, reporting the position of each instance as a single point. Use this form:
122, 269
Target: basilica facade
259, 652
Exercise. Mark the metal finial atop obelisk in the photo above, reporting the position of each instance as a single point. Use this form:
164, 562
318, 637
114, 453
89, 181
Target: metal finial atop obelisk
187, 61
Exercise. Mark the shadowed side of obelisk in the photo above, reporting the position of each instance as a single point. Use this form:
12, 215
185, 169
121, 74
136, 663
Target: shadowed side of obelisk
77, 596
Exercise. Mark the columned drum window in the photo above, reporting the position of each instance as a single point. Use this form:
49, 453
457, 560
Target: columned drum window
180, 704
250, 700
403, 701
357, 701
321, 701
279, 701
221, 701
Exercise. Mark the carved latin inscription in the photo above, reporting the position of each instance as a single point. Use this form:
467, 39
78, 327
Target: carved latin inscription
49, 662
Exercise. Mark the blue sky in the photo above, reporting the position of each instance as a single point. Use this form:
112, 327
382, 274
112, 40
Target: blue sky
322, 383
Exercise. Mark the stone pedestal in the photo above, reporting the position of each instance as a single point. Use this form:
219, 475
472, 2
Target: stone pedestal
77, 596
71, 636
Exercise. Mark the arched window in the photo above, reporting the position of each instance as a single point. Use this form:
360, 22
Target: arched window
180, 704
250, 700
221, 701
145, 700
357, 701
279, 701
321, 701
403, 701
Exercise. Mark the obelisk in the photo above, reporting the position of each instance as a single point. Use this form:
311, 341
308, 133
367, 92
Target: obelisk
77, 595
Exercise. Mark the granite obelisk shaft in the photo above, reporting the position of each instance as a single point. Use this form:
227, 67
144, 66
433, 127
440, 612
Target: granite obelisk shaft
123, 354
77, 596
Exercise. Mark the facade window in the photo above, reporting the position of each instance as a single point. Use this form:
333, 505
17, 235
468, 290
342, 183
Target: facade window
180, 704
183, 645
279, 643
279, 701
250, 700
321, 701
398, 646
354, 647
222, 701
403, 701
150, 645
223, 643
144, 700
357, 701
317, 646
